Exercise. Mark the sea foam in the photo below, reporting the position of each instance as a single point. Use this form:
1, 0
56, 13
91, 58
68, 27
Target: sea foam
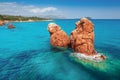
81, 56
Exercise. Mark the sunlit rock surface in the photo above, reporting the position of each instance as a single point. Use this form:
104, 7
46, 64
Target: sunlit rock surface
58, 37
82, 38
82, 41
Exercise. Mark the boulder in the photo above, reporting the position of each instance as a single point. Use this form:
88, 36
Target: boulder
58, 37
82, 38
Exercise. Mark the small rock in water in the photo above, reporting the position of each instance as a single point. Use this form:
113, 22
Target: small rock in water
11, 26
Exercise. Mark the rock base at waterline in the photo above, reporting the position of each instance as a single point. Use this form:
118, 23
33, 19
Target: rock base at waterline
94, 58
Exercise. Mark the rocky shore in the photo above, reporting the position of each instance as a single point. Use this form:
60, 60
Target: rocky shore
2, 22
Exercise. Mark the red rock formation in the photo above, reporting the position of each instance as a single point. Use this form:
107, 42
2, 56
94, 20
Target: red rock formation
82, 38
57, 36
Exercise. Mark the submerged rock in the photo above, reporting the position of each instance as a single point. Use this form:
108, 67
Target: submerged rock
82, 38
58, 37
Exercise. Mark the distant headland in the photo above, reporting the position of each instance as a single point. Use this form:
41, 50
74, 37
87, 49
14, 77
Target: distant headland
9, 18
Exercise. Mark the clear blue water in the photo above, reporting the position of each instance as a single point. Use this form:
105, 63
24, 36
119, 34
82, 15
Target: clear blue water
26, 54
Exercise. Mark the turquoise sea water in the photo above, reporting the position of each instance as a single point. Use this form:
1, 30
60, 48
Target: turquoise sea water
26, 54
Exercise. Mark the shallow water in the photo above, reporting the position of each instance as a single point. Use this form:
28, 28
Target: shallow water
26, 54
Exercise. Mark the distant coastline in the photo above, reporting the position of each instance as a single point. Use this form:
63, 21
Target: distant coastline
12, 18
30, 21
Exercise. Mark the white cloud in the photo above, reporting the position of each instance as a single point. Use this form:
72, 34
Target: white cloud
13, 8
43, 10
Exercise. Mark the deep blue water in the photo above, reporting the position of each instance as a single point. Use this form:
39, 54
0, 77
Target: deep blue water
26, 54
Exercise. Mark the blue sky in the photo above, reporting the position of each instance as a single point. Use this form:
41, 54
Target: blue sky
109, 9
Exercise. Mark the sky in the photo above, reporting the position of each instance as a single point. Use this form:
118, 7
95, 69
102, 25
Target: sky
97, 9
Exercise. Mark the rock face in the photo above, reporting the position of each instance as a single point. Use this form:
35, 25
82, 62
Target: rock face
82, 38
57, 36
2, 23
